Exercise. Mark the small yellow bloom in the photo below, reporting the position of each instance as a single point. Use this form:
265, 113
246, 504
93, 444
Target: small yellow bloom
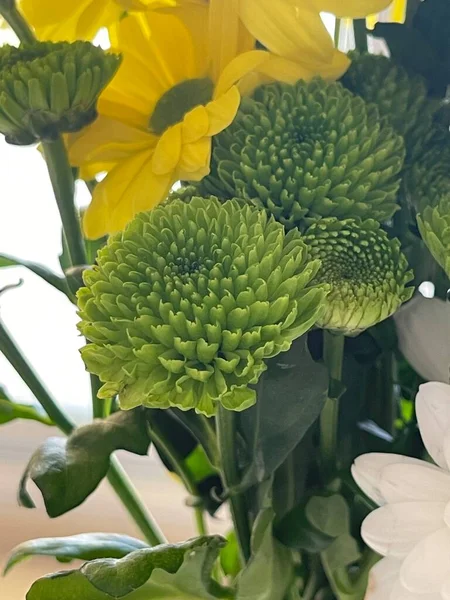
70, 20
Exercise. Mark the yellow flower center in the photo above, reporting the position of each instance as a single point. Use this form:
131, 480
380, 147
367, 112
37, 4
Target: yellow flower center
179, 100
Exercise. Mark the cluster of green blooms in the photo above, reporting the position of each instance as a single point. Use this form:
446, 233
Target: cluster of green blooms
49, 88
186, 305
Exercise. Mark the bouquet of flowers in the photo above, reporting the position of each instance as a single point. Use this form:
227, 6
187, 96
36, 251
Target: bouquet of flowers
264, 201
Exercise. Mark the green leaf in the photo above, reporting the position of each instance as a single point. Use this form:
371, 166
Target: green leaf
86, 546
68, 470
230, 559
175, 572
290, 397
269, 572
46, 274
9, 411
315, 524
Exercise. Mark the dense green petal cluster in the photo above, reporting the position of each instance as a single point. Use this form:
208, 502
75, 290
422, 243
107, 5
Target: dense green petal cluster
187, 303
434, 226
366, 270
399, 96
48, 88
308, 151
428, 179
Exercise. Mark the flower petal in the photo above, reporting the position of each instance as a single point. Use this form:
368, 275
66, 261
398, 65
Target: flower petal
394, 529
291, 29
224, 29
433, 416
222, 110
195, 125
356, 9
426, 568
414, 482
167, 151
399, 592
382, 578
194, 160
129, 188
367, 471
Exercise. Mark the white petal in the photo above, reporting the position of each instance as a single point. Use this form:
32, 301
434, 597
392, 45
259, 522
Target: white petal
433, 416
423, 329
382, 578
426, 568
414, 482
367, 470
394, 529
399, 592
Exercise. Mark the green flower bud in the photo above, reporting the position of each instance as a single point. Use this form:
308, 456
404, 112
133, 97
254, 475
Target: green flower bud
307, 151
366, 270
428, 179
49, 88
400, 97
434, 227
187, 303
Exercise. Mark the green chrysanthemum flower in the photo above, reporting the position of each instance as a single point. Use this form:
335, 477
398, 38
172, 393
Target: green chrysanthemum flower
48, 88
399, 96
188, 301
366, 270
428, 179
434, 227
308, 151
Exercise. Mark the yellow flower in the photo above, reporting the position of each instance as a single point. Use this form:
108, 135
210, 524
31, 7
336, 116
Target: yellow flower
396, 13
80, 19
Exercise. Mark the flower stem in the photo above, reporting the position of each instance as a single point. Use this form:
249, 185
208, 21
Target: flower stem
203, 431
329, 418
359, 27
18, 24
226, 431
116, 474
165, 446
64, 188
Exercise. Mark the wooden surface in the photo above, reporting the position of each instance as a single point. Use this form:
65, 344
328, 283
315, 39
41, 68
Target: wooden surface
102, 512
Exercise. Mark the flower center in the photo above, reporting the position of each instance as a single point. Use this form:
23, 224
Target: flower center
178, 101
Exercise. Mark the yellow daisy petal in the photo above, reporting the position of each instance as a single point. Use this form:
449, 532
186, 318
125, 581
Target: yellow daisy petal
289, 28
239, 68
224, 30
356, 9
336, 68
222, 110
195, 125
48, 12
129, 188
167, 151
195, 159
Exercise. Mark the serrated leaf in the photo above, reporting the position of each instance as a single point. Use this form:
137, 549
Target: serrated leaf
176, 572
68, 470
46, 274
291, 395
86, 546
269, 572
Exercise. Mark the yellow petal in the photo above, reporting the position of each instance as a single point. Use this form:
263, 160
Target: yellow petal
49, 12
336, 68
167, 151
95, 16
107, 140
224, 33
289, 28
222, 110
241, 66
195, 125
194, 160
129, 188
356, 9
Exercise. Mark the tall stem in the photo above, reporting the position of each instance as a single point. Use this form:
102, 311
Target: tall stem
168, 449
359, 27
64, 188
329, 418
18, 24
116, 474
226, 431
203, 431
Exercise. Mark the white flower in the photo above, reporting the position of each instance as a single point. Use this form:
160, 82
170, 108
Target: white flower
423, 329
412, 527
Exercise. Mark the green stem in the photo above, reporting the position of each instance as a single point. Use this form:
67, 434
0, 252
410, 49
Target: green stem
18, 24
122, 485
329, 418
359, 27
13, 354
170, 452
337, 32
116, 475
313, 580
98, 406
226, 431
63, 184
203, 431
